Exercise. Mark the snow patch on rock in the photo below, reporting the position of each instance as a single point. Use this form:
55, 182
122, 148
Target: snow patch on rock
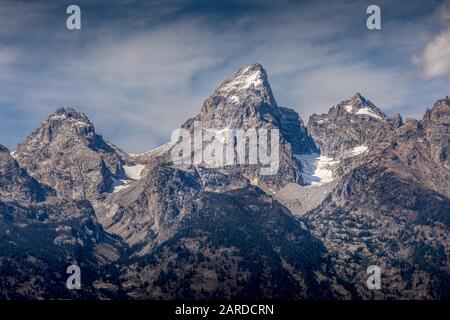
134, 172
358, 150
120, 184
316, 168
244, 80
368, 112
365, 110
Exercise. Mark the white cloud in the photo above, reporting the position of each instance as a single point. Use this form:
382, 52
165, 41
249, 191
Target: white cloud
435, 59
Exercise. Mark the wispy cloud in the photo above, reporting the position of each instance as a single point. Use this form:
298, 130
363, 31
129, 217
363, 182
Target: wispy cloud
435, 58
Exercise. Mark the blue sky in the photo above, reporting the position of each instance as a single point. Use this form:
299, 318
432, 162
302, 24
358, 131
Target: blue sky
138, 69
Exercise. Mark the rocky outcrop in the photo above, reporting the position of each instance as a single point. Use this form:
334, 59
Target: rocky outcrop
302, 199
15, 183
436, 125
150, 210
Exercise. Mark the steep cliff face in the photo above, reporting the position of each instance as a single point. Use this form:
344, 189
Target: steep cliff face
151, 210
15, 183
436, 125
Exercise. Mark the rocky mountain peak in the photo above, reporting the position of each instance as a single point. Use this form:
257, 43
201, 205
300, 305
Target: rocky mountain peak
247, 94
440, 112
436, 123
360, 106
67, 154
349, 127
249, 79
194, 232
15, 183
65, 128
68, 122
245, 101
359, 100
69, 113
396, 120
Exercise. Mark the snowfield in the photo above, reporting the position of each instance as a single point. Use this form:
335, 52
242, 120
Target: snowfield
316, 168
133, 173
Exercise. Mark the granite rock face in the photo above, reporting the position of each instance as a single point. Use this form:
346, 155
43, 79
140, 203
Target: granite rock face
150, 210
241, 101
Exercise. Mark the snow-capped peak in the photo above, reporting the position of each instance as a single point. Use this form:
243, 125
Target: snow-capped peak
253, 75
250, 81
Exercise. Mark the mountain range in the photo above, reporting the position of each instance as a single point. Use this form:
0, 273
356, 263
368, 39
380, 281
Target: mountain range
354, 188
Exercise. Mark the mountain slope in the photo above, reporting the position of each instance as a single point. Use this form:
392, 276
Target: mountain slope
41, 235
15, 181
241, 244
173, 204
392, 210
